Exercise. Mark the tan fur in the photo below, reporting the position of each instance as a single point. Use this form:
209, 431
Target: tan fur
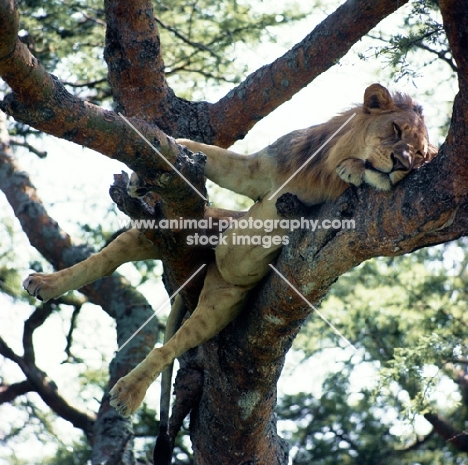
219, 303
129, 246
384, 141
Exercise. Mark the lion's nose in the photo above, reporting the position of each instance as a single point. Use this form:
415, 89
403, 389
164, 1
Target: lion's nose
401, 159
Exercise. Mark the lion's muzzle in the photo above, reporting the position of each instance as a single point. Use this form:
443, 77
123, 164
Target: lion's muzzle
401, 157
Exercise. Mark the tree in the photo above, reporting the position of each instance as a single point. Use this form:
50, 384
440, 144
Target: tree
244, 362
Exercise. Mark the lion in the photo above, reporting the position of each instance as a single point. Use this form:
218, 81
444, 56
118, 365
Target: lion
376, 143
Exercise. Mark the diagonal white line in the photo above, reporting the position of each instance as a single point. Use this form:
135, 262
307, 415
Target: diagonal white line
163, 157
168, 300
313, 155
312, 306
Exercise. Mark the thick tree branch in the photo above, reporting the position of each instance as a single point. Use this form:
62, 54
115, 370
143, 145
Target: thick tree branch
429, 207
29, 210
179, 197
135, 64
8, 393
455, 19
273, 84
43, 103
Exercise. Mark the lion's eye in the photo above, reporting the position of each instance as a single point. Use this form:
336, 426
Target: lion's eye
397, 130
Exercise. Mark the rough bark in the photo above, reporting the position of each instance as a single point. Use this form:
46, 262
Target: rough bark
233, 422
134, 62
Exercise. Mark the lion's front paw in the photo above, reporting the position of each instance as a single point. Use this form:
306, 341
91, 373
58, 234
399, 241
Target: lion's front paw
351, 171
128, 394
41, 286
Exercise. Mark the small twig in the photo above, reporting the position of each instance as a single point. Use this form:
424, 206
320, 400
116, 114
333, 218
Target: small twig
69, 337
185, 39
37, 318
31, 148
93, 19
440, 54
84, 84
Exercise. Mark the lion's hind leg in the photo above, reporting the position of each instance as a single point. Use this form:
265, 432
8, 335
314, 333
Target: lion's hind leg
218, 305
128, 246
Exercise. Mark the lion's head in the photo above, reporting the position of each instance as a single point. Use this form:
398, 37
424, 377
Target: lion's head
388, 140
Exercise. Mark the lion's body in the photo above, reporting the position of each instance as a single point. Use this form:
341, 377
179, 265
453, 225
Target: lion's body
361, 145
379, 145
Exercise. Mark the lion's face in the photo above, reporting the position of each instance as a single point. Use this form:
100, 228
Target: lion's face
395, 144
394, 141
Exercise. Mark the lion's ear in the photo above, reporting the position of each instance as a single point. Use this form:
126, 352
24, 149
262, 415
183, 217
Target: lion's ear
377, 97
